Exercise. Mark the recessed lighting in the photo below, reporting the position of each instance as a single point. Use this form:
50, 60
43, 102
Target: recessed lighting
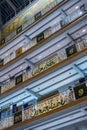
77, 7
80, 12
83, 30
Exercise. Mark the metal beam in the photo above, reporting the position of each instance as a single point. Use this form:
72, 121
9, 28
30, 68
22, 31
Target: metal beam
70, 38
12, 5
35, 95
79, 70
29, 63
27, 38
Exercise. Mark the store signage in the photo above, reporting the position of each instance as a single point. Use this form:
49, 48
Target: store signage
71, 50
45, 65
40, 37
38, 15
19, 29
18, 51
19, 79
80, 91
18, 117
2, 41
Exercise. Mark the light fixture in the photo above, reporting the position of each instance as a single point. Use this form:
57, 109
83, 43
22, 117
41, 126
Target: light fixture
83, 30
77, 7
80, 12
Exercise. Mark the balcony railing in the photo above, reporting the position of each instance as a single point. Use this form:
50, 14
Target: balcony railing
57, 57
30, 21
44, 105
47, 33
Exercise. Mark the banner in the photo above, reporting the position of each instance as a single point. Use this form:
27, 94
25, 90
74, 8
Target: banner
18, 51
80, 91
71, 50
18, 79
17, 117
40, 37
19, 29
2, 42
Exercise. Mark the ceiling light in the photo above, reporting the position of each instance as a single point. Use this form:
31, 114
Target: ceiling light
77, 7
83, 30
80, 13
